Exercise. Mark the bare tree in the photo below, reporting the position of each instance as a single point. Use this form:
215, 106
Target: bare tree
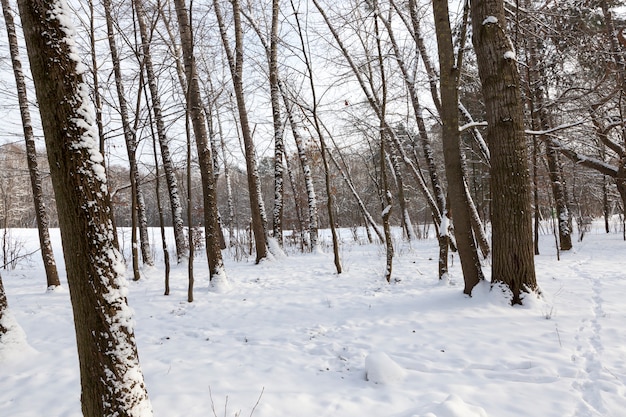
41, 213
449, 73
196, 114
168, 165
323, 148
235, 63
111, 378
138, 213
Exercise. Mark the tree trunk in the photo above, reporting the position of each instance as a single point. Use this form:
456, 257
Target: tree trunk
168, 166
139, 213
4, 305
421, 126
394, 165
198, 122
235, 61
512, 259
536, 212
157, 186
323, 149
278, 127
306, 172
386, 198
605, 204
111, 379
560, 201
41, 214
459, 204
541, 121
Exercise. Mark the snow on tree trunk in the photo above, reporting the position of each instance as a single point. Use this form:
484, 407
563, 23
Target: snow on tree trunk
306, 172
168, 165
111, 378
41, 214
131, 141
278, 127
4, 306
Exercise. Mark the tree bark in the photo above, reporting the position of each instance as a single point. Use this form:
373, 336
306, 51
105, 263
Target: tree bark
541, 121
278, 127
235, 61
130, 140
313, 225
41, 213
111, 379
4, 308
323, 149
512, 259
198, 122
459, 203
168, 165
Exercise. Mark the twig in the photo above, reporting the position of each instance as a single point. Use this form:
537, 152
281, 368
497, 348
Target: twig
257, 401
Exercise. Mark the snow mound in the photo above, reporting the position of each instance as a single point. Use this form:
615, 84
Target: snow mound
454, 406
220, 283
381, 369
13, 343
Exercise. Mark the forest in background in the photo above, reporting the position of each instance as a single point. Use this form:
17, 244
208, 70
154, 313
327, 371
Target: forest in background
575, 60
472, 119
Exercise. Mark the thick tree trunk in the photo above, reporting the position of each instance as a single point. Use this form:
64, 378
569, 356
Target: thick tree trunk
41, 214
459, 203
196, 113
168, 165
111, 379
513, 256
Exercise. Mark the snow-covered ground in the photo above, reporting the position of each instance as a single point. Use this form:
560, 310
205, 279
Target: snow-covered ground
293, 338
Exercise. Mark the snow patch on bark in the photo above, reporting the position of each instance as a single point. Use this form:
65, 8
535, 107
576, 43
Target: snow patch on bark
490, 20
510, 55
126, 381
